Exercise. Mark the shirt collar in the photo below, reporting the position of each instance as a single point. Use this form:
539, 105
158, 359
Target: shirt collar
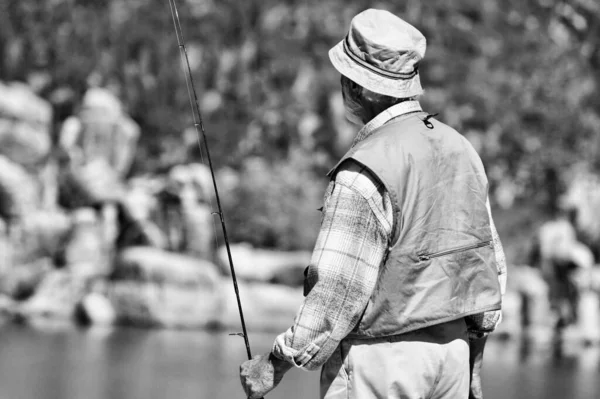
403, 108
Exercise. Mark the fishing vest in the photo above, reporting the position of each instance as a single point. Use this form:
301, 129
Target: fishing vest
440, 263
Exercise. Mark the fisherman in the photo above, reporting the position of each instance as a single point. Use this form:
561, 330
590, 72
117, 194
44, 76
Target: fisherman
408, 271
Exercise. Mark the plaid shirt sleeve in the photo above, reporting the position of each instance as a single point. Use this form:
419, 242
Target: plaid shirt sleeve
343, 270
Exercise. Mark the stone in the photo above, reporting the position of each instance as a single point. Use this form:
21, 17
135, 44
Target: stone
101, 131
7, 305
96, 309
589, 317
85, 254
266, 307
154, 265
6, 250
199, 230
25, 122
19, 190
20, 281
137, 211
192, 183
264, 265
90, 184
153, 287
18, 101
43, 233
153, 304
56, 297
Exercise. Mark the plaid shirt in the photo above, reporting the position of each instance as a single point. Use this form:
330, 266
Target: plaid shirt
350, 247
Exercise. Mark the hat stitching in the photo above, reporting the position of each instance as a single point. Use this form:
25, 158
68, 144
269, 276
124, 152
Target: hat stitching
377, 70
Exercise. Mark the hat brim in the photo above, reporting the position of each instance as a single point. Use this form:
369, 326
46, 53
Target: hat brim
399, 88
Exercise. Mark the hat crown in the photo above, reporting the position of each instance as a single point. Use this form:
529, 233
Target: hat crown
386, 43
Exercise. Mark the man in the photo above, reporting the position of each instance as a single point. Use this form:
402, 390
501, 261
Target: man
407, 262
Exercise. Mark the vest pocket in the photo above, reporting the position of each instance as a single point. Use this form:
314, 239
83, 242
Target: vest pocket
431, 255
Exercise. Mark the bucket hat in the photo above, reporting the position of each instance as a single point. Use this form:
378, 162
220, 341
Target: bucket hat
381, 52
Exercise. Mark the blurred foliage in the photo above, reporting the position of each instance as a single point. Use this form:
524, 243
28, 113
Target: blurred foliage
519, 78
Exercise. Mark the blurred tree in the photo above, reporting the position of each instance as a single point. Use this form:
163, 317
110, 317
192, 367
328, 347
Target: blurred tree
518, 78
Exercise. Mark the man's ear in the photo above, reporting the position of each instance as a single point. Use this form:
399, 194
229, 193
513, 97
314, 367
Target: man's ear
356, 89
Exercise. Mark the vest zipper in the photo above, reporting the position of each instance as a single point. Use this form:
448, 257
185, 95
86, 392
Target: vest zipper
426, 256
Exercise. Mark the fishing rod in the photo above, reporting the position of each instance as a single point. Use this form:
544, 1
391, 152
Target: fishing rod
201, 137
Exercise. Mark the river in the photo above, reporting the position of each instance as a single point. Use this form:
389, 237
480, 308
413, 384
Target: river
69, 363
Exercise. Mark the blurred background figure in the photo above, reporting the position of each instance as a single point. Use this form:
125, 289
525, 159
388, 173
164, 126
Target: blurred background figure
566, 265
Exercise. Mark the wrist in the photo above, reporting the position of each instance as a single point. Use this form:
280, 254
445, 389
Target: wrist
280, 366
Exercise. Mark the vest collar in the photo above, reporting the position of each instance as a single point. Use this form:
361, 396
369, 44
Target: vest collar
405, 107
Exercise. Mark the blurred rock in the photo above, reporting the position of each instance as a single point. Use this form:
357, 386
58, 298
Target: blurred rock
48, 177
267, 307
165, 305
153, 287
85, 253
101, 131
96, 309
25, 121
140, 233
185, 207
7, 305
6, 250
140, 197
153, 265
56, 297
41, 233
94, 183
18, 101
589, 317
137, 212
595, 279
192, 182
19, 193
263, 265
199, 230
20, 281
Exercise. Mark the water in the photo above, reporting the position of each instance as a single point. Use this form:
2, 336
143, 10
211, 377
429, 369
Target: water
69, 363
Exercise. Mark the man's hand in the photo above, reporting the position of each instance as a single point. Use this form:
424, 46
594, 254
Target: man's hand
261, 374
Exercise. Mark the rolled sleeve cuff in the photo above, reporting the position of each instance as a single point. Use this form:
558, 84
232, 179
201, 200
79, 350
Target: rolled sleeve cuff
297, 358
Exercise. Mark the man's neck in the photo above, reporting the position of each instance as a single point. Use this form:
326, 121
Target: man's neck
399, 109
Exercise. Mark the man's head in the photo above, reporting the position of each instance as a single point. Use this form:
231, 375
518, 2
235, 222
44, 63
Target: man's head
378, 60
362, 104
